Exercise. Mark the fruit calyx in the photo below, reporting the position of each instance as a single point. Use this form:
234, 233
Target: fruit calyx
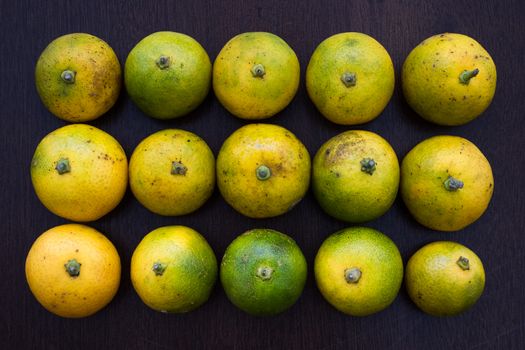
258, 70
352, 275
163, 62
368, 165
263, 172
73, 267
264, 272
349, 79
452, 184
466, 75
68, 76
177, 168
159, 268
63, 166
463, 263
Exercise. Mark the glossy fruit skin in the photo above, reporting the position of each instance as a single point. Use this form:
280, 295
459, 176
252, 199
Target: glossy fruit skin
431, 79
163, 189
346, 190
244, 283
427, 167
251, 147
246, 95
373, 72
190, 269
173, 89
73, 296
97, 176
97, 77
438, 285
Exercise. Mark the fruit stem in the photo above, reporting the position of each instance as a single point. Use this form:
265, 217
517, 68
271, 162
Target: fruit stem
68, 76
73, 267
463, 263
258, 70
63, 166
177, 168
264, 273
452, 184
263, 172
466, 75
368, 165
349, 79
163, 62
352, 275
159, 268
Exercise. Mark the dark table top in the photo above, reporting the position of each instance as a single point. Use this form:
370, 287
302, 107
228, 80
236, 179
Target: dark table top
496, 321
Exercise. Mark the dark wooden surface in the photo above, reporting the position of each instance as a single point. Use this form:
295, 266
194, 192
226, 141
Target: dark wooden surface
497, 321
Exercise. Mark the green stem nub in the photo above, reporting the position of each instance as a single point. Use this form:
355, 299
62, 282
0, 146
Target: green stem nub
63, 166
263, 172
264, 273
68, 76
349, 79
452, 184
177, 168
159, 268
466, 75
73, 267
258, 70
352, 275
463, 263
368, 165
163, 62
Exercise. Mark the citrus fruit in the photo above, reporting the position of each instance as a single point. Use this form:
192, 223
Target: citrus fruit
172, 172
444, 278
263, 272
173, 269
350, 78
255, 75
446, 182
359, 271
167, 74
355, 176
263, 170
79, 172
449, 79
73, 270
78, 77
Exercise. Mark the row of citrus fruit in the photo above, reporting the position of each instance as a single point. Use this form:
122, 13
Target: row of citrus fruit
74, 271
448, 79
80, 173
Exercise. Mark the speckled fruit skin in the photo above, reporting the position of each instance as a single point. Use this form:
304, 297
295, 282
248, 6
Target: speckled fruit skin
273, 291
358, 54
424, 171
97, 80
431, 79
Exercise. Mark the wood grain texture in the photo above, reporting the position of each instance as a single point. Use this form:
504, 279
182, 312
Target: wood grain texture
497, 321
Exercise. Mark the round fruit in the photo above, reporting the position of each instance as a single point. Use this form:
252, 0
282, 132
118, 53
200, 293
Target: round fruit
449, 79
172, 172
359, 271
73, 270
173, 269
79, 172
78, 77
263, 170
263, 272
444, 278
345, 74
355, 176
256, 75
446, 183
167, 74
